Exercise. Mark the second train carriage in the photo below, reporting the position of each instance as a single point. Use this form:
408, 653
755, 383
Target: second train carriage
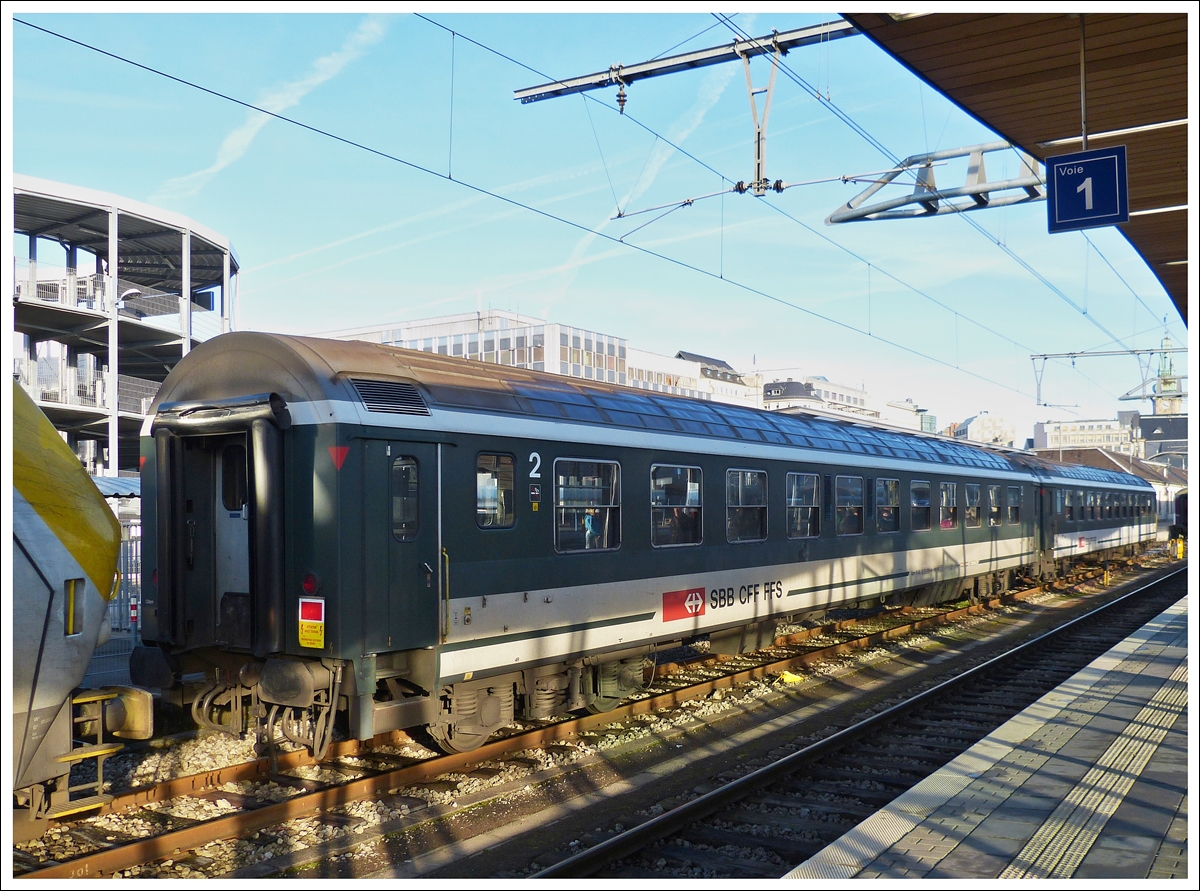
419, 540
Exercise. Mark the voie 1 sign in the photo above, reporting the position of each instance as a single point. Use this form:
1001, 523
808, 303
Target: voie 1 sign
1087, 189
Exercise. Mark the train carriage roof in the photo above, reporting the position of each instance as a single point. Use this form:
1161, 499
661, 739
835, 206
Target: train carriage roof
1060, 473
400, 381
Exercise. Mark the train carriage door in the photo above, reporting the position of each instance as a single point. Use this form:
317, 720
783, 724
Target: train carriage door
231, 533
1047, 519
401, 546
195, 564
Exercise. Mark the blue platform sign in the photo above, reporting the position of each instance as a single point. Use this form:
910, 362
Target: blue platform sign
1087, 189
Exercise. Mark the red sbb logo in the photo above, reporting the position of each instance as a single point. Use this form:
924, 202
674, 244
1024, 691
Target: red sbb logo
686, 604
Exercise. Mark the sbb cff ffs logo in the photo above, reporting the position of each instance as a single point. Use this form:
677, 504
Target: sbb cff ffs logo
686, 604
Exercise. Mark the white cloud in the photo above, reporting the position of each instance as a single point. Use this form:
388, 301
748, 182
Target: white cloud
711, 88
369, 32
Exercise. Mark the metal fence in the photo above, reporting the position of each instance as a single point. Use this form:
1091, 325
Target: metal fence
110, 662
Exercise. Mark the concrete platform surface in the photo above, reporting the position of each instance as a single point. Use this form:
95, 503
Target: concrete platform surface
1088, 782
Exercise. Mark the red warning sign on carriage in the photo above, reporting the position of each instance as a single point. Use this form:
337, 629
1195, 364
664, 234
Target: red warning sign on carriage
686, 604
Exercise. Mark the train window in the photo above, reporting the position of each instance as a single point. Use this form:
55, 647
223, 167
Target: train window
676, 516
1069, 506
803, 505
848, 498
406, 517
494, 491
994, 509
1108, 505
746, 505
587, 505
73, 605
949, 505
972, 516
1080, 508
1091, 505
1014, 504
233, 477
1058, 501
921, 512
887, 505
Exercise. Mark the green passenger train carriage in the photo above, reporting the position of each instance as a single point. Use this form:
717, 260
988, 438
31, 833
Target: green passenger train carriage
343, 531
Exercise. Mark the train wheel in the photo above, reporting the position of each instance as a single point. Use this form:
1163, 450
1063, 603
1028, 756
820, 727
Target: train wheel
453, 741
602, 704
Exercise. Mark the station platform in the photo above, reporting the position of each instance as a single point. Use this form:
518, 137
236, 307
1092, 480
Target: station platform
1088, 782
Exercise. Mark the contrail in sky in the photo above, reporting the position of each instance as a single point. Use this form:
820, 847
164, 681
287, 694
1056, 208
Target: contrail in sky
711, 88
369, 32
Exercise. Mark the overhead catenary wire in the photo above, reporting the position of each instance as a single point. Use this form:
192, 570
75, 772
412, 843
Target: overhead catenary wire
513, 202
879, 146
616, 201
727, 20
726, 179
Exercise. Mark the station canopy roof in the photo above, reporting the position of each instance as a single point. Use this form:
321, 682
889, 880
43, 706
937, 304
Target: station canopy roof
1019, 75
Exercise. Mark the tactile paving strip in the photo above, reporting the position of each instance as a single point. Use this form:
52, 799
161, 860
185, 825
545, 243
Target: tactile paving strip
1062, 841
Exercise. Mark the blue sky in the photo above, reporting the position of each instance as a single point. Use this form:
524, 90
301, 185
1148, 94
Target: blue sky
331, 236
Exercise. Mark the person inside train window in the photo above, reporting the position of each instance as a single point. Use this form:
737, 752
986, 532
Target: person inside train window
922, 513
675, 508
887, 505
994, 509
848, 498
1069, 505
1014, 504
971, 516
587, 505
746, 505
803, 505
949, 505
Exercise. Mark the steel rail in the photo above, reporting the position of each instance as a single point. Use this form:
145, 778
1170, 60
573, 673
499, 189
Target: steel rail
586, 862
110, 860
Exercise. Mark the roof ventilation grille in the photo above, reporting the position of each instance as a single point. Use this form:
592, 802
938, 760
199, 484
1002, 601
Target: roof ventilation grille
391, 397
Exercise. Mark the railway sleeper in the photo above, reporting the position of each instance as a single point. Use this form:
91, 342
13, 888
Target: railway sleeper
847, 773
721, 861
803, 800
864, 797
823, 829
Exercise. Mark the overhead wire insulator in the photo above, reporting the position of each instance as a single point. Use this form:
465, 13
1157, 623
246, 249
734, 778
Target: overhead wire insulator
621, 99
778, 186
740, 187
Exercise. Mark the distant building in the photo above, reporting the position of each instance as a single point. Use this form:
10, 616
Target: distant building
1165, 433
507, 338
817, 394
987, 429
1115, 435
1168, 391
1164, 439
842, 397
909, 415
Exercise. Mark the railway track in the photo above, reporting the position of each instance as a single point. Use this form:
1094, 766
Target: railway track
762, 823
236, 802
